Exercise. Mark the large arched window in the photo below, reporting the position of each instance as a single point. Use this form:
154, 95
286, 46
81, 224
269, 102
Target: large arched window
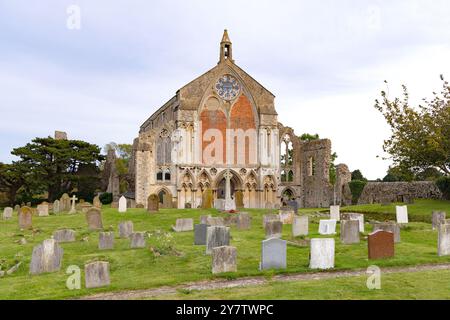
287, 159
163, 148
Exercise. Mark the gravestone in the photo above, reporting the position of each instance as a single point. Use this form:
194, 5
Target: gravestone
274, 229
349, 231
355, 216
25, 218
85, 207
224, 259
437, 219
106, 240
390, 227
204, 219
215, 221
219, 204
138, 240
217, 236
122, 204
239, 197
56, 206
380, 245
207, 199
270, 217
286, 215
300, 226
65, 202
321, 254
183, 225
96, 274
243, 221
230, 220
444, 239
273, 254
327, 227
125, 229
94, 219
153, 203
293, 204
73, 209
42, 210
46, 257
167, 201
96, 202
335, 213
402, 214
64, 235
7, 213
200, 234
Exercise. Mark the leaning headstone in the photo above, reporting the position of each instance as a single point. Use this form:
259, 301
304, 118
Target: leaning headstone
138, 240
96, 274
215, 221
321, 254
300, 226
94, 219
355, 216
390, 227
122, 204
204, 219
270, 217
25, 218
243, 221
64, 235
327, 227
42, 210
183, 225
46, 257
444, 239
335, 213
200, 234
96, 202
286, 215
65, 202
56, 206
273, 254
125, 229
274, 229
402, 214
217, 236
7, 213
153, 203
349, 231
106, 240
380, 245
224, 259
438, 218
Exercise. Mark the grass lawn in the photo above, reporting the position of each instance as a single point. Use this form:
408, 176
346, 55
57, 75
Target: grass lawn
140, 269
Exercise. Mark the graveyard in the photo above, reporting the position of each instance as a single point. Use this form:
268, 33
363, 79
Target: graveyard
141, 250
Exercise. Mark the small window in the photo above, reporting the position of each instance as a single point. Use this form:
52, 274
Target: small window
159, 176
290, 176
167, 176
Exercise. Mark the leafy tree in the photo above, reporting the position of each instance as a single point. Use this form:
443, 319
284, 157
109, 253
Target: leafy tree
357, 175
420, 136
17, 179
309, 137
332, 171
399, 173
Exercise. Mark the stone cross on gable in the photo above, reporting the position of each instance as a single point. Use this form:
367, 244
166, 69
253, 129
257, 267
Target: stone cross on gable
72, 209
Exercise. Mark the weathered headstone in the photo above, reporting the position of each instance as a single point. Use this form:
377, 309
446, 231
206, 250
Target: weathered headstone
94, 219
16, 208
106, 240
380, 245
96, 274
286, 215
355, 216
215, 221
274, 229
444, 239
46, 257
243, 221
56, 206
122, 204
207, 199
322, 254
65, 202
138, 240
239, 197
183, 225
438, 218
167, 201
273, 254
270, 217
7, 213
327, 227
25, 218
402, 214
125, 229
217, 236
85, 207
64, 235
200, 234
335, 213
293, 204
73, 208
96, 202
42, 210
153, 203
224, 259
204, 219
390, 227
230, 220
300, 226
350, 231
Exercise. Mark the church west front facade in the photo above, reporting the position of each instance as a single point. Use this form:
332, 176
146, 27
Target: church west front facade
224, 123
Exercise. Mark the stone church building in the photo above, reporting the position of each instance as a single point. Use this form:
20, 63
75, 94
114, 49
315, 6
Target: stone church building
226, 121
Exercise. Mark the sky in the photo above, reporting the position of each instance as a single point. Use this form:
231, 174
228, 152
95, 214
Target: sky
325, 61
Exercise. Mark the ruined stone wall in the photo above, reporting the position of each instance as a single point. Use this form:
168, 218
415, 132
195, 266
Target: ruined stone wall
342, 194
384, 192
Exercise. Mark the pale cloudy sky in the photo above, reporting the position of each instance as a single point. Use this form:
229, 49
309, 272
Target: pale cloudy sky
324, 60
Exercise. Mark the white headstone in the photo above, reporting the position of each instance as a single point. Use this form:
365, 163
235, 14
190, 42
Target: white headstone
72, 208
7, 213
322, 254
122, 204
335, 213
402, 214
327, 227
360, 218
183, 225
42, 210
300, 226
273, 254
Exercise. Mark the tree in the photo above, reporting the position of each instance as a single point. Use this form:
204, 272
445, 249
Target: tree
332, 171
357, 175
17, 178
309, 137
420, 136
399, 173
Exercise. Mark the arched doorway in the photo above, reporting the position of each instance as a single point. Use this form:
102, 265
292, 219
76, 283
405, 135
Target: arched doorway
165, 199
220, 183
221, 189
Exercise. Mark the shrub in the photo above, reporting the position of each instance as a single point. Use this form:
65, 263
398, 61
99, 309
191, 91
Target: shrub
443, 184
106, 198
356, 187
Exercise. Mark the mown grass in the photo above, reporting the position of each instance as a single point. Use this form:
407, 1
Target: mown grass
140, 269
